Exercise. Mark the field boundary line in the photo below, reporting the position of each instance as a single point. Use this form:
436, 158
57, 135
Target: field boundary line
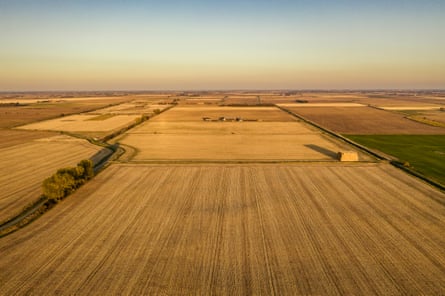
361, 147
36, 209
372, 152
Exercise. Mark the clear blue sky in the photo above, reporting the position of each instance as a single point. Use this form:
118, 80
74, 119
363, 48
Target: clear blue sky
135, 44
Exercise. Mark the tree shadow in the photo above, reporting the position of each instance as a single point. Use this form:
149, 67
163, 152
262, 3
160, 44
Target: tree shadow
322, 150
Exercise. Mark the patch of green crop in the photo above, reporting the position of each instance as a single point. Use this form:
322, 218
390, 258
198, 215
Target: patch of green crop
424, 153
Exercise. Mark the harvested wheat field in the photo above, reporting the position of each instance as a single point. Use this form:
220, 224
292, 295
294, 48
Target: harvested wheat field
14, 137
84, 123
181, 134
26, 165
137, 107
364, 120
235, 230
197, 113
32, 110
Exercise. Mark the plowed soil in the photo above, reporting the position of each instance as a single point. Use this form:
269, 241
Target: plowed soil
235, 230
364, 121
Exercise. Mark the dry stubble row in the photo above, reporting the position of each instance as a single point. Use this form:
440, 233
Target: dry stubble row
307, 229
27, 165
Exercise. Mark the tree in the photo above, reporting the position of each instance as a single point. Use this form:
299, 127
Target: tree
88, 171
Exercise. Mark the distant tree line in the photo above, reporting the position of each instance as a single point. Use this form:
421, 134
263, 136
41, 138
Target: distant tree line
67, 180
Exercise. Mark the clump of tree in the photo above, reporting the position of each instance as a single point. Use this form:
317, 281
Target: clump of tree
67, 180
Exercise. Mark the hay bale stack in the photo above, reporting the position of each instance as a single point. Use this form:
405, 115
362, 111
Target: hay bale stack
347, 156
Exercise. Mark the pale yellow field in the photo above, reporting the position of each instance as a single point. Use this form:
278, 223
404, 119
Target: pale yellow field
235, 230
196, 113
25, 166
84, 122
232, 147
222, 128
181, 134
322, 105
416, 107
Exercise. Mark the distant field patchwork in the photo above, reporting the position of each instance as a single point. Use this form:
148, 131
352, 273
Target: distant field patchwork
263, 133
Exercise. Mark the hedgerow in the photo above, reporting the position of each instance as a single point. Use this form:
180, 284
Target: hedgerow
67, 180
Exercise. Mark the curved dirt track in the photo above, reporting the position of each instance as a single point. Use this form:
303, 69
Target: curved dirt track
244, 229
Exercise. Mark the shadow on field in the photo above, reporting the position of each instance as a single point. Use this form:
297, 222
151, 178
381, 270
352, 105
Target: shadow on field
322, 150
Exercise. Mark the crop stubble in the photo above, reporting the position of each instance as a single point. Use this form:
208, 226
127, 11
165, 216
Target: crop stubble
181, 134
26, 165
302, 229
19, 115
84, 122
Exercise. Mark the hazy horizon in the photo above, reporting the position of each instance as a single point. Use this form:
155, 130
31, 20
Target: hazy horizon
231, 45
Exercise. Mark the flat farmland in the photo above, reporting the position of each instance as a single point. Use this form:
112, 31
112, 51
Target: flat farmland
438, 116
25, 166
364, 120
32, 110
406, 101
14, 137
83, 123
236, 230
196, 113
325, 104
181, 134
138, 107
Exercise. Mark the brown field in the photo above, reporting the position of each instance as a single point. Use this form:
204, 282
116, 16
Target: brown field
14, 137
11, 116
235, 230
181, 134
364, 120
26, 165
325, 104
138, 107
83, 122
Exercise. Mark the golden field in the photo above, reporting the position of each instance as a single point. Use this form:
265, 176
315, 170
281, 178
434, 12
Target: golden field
212, 197
83, 122
182, 134
26, 165
235, 229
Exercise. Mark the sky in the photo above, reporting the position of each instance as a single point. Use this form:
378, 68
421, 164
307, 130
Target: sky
221, 45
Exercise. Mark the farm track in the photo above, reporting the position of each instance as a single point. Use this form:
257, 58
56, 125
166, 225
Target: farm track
235, 229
